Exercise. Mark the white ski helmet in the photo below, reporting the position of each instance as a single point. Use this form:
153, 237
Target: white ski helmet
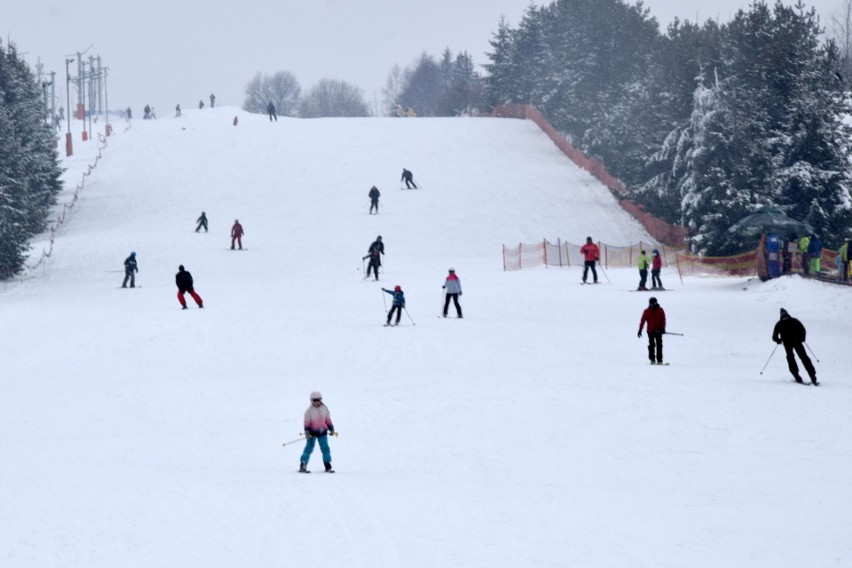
316, 395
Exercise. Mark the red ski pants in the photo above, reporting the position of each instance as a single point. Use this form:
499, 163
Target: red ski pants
192, 293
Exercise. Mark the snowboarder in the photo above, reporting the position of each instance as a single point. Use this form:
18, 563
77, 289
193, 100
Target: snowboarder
237, 234
212, 100
791, 333
642, 263
398, 303
270, 110
656, 266
452, 286
202, 222
374, 199
655, 317
318, 426
183, 279
130, 270
408, 178
374, 253
591, 254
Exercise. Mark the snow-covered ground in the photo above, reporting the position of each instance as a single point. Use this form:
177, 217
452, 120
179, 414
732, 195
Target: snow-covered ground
531, 433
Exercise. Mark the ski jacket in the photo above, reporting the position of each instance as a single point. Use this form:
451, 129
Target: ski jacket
318, 420
655, 318
406, 175
398, 297
130, 264
814, 247
377, 248
844, 252
183, 279
374, 194
453, 285
237, 230
804, 243
202, 219
643, 262
789, 331
657, 264
590, 252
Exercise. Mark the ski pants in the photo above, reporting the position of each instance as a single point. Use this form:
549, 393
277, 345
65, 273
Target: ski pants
799, 349
374, 266
398, 313
655, 279
192, 293
309, 448
409, 182
590, 264
237, 239
129, 274
455, 298
643, 277
806, 263
655, 346
815, 264
201, 225
374, 203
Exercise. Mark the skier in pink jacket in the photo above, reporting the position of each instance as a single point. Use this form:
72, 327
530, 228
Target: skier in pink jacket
318, 426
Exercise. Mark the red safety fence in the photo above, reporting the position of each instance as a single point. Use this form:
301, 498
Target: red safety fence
660, 230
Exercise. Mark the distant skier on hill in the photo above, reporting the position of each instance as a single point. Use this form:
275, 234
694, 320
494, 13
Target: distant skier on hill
212, 100
374, 253
318, 426
655, 317
642, 263
452, 287
237, 234
374, 199
183, 279
408, 178
200, 104
177, 110
591, 254
202, 222
656, 266
270, 110
792, 333
130, 270
398, 303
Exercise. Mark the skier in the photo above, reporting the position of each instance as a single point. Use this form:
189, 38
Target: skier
408, 178
374, 253
183, 279
212, 100
177, 110
202, 222
642, 263
398, 303
270, 109
237, 234
147, 114
374, 199
452, 286
318, 426
656, 266
200, 104
130, 270
791, 333
591, 254
815, 253
656, 319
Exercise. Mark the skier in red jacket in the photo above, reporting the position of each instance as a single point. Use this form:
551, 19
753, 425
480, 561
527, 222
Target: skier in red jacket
591, 254
237, 234
655, 317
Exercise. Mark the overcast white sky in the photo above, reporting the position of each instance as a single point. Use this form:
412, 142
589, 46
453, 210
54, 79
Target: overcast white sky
164, 52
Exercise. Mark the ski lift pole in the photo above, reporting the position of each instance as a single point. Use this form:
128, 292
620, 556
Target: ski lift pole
770, 358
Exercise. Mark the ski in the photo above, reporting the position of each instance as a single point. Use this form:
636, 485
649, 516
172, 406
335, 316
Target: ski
306, 471
659, 364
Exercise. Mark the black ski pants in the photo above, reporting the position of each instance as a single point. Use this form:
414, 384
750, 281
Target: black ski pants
655, 346
655, 279
799, 349
201, 225
129, 274
643, 278
590, 264
398, 313
374, 266
374, 203
455, 298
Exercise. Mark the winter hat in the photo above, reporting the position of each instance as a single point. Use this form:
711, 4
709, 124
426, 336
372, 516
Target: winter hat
133, 253
655, 251
784, 313
316, 395
643, 252
397, 288
652, 301
452, 269
180, 268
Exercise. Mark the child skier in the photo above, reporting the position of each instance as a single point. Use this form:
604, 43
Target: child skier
318, 426
398, 303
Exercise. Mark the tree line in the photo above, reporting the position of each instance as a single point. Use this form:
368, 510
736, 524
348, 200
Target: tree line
29, 163
704, 123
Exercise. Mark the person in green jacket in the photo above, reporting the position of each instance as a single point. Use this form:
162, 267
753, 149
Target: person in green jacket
803, 250
643, 263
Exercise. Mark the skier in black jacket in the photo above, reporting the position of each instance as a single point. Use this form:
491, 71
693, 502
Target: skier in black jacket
130, 270
374, 253
791, 333
202, 222
408, 178
183, 279
374, 199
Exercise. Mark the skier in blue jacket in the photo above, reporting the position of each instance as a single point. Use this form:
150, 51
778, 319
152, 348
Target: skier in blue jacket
398, 303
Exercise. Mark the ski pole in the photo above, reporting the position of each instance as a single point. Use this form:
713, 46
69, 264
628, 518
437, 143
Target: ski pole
770, 358
409, 316
299, 439
604, 272
673, 333
384, 301
811, 350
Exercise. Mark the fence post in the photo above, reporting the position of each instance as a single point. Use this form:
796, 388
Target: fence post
544, 244
520, 259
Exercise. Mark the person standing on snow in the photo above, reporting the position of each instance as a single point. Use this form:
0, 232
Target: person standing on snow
212, 100
202, 222
815, 254
655, 317
183, 279
318, 426
791, 333
398, 303
452, 286
237, 234
591, 254
130, 270
656, 266
374, 199
642, 263
408, 178
270, 109
374, 253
